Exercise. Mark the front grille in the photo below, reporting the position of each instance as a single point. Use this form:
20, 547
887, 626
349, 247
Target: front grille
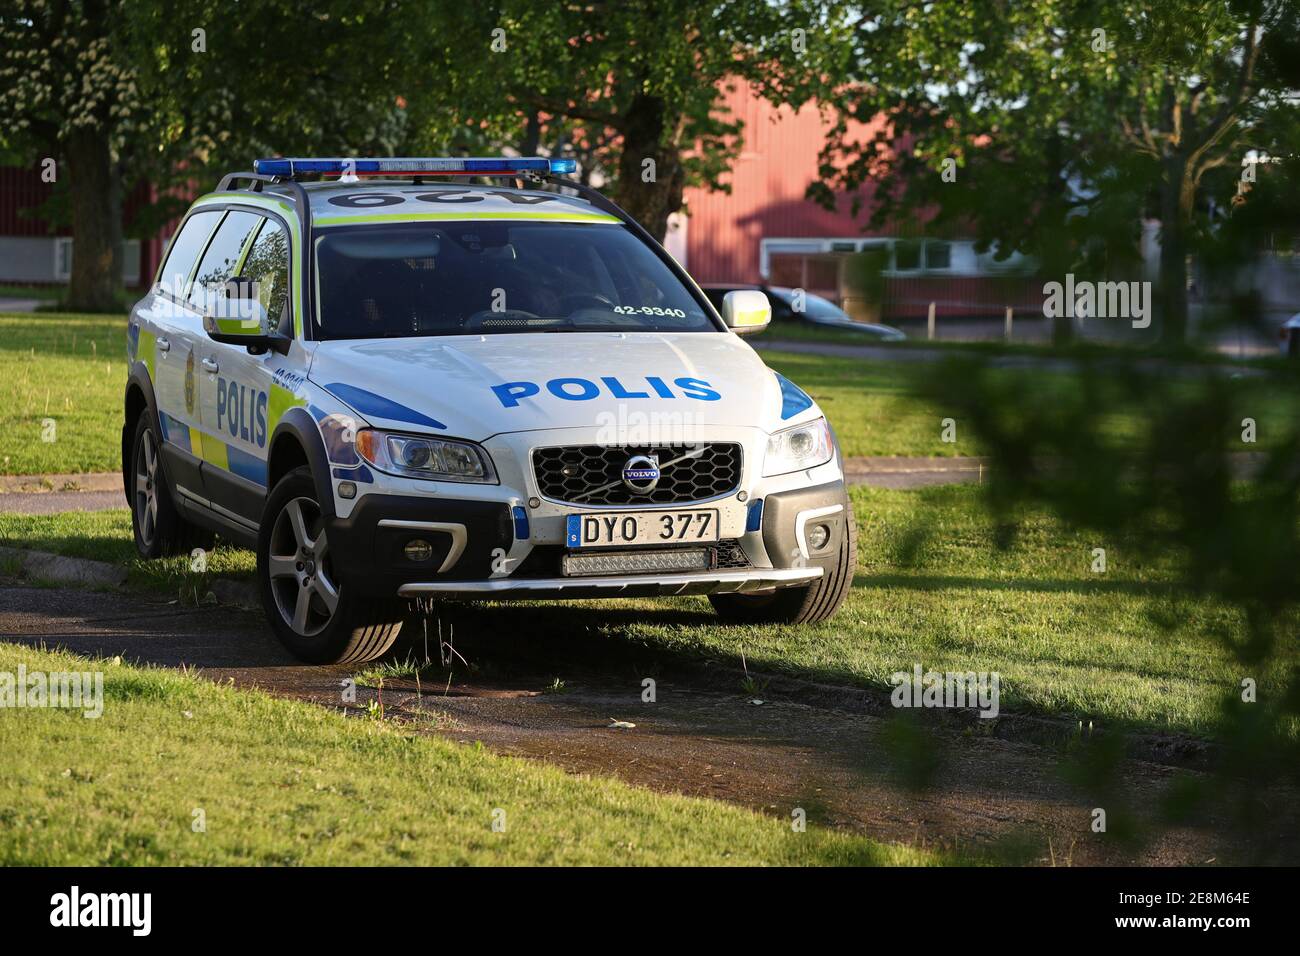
593, 474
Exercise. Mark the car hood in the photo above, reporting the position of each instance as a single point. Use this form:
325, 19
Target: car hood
477, 386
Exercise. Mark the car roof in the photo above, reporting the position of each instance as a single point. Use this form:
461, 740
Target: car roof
338, 204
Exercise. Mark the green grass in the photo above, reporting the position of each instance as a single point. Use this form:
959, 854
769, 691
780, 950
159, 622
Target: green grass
72, 368
69, 368
873, 406
286, 783
1125, 647
106, 536
869, 404
43, 293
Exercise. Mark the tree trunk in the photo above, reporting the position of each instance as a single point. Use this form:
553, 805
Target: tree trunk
1173, 256
649, 200
96, 202
1061, 256
532, 140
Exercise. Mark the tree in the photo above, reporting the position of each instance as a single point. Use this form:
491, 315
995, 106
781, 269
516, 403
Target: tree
120, 91
67, 89
1066, 122
632, 88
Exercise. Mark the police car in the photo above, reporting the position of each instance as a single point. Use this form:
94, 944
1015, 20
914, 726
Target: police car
403, 379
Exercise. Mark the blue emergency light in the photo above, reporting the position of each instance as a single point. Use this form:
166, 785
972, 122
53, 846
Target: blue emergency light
478, 166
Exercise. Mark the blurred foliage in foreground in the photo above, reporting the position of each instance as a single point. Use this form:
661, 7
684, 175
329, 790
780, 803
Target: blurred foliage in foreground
1185, 492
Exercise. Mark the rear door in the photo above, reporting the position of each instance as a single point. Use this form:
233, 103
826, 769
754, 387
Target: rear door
237, 385
171, 327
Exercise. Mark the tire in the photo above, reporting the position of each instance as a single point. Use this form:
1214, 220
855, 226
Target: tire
159, 528
312, 614
806, 604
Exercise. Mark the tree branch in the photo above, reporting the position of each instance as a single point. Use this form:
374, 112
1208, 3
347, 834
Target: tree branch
560, 108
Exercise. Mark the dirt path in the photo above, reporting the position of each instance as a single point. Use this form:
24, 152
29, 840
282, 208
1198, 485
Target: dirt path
702, 736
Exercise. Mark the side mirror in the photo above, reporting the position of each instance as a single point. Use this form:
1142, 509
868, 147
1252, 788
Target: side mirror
746, 311
237, 317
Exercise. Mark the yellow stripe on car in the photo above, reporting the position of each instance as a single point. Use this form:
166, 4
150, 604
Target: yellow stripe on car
454, 216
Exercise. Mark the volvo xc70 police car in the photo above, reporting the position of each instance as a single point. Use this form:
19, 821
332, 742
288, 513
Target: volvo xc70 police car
423, 385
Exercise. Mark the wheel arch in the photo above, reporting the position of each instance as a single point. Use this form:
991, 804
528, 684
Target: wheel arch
296, 441
137, 397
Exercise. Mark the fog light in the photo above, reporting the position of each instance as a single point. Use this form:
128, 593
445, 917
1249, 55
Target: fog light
818, 537
347, 489
417, 549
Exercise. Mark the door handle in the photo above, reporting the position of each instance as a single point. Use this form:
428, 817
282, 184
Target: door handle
164, 345
211, 365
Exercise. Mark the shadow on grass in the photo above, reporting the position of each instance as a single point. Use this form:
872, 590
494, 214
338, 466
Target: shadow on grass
949, 582
96, 547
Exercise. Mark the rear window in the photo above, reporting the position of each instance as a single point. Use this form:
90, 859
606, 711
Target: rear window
491, 277
222, 256
185, 248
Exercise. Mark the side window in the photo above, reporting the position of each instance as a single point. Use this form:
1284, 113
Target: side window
218, 263
938, 255
267, 266
185, 248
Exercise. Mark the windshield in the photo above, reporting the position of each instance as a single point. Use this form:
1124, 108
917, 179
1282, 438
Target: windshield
484, 277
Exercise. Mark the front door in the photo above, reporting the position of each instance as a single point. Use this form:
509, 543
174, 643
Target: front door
236, 387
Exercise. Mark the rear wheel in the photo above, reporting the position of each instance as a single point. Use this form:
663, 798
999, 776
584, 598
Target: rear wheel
312, 614
806, 604
159, 528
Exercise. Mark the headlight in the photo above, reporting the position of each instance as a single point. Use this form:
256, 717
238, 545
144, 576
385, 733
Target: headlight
794, 449
436, 459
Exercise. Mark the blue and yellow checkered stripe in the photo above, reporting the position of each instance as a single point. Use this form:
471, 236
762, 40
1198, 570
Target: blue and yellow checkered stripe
213, 450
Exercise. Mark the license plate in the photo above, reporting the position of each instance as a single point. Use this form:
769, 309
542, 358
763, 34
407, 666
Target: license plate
622, 528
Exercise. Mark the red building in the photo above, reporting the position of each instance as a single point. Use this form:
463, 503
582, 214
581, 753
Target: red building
765, 231
34, 252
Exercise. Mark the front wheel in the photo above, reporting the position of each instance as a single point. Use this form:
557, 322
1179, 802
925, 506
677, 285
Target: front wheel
312, 614
806, 604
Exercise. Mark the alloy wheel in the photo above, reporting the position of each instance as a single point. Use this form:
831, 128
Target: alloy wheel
300, 568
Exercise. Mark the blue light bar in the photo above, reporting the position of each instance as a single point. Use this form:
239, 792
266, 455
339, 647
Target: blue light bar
480, 166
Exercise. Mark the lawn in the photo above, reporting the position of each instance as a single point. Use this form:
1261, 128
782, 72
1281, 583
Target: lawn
70, 369
1123, 647
106, 536
42, 293
280, 782
870, 404
875, 409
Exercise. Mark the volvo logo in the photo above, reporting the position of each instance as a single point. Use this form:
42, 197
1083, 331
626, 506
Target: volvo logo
641, 474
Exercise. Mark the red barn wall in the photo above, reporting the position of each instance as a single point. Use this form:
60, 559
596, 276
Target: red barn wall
778, 160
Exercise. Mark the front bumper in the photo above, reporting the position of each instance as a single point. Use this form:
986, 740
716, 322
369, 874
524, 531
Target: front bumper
627, 585
508, 540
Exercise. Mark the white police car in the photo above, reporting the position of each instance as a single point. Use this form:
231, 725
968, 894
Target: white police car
418, 387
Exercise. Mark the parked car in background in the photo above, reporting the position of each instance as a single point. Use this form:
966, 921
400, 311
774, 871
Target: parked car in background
816, 310
1289, 337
